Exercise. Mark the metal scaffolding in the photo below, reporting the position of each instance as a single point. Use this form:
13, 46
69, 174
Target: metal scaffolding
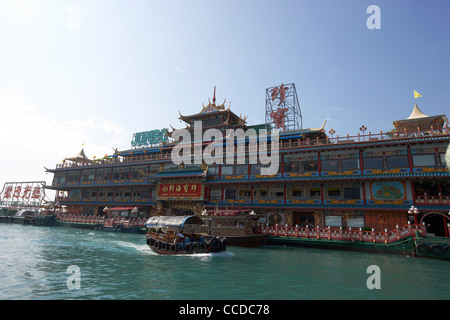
282, 108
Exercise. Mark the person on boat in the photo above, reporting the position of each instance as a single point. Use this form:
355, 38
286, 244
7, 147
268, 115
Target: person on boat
179, 238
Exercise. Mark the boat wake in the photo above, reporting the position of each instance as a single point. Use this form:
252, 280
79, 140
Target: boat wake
207, 255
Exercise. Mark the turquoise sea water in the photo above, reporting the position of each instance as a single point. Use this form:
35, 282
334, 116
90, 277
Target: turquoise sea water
34, 264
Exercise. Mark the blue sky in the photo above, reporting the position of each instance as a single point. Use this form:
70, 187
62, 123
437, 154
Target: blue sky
130, 66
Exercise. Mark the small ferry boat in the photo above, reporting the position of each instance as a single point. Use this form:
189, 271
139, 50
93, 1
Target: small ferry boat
239, 228
181, 235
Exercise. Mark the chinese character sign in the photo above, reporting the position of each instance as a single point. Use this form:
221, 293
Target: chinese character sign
283, 108
180, 190
22, 194
278, 117
279, 92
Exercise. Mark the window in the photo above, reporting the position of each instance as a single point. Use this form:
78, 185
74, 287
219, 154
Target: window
373, 163
296, 192
314, 192
242, 169
215, 194
334, 192
397, 162
88, 194
330, 165
87, 175
59, 178
350, 164
73, 177
292, 167
136, 193
355, 222
120, 173
256, 168
230, 194
103, 174
227, 170
135, 172
170, 166
260, 193
333, 221
352, 193
213, 171
245, 193
309, 166
145, 193
424, 160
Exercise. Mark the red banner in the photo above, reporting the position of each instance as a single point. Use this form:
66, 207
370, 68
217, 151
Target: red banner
180, 190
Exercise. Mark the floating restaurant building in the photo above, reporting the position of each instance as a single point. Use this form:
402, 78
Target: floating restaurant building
323, 179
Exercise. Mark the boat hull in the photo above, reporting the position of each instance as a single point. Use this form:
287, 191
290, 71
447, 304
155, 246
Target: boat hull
253, 240
213, 245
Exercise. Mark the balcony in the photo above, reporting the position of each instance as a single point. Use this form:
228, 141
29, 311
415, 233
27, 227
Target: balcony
433, 200
137, 155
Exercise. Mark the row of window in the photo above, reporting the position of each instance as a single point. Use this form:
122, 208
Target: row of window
118, 193
294, 193
135, 172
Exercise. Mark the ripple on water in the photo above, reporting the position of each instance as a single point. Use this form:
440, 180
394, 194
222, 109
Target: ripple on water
34, 262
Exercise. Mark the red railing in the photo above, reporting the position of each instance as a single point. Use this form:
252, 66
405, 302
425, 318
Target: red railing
344, 235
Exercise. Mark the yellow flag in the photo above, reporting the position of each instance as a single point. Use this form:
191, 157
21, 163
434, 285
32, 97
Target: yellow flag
416, 94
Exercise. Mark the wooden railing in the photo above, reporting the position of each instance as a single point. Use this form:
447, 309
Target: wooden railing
344, 235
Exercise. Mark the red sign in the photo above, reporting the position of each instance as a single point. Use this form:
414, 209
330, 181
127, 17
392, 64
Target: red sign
180, 190
278, 117
279, 91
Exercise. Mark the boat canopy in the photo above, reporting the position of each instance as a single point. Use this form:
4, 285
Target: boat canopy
172, 221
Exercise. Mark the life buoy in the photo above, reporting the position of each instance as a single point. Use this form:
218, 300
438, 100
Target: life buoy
436, 249
149, 241
215, 245
423, 248
188, 247
181, 247
174, 248
157, 244
118, 227
195, 246
163, 246
203, 245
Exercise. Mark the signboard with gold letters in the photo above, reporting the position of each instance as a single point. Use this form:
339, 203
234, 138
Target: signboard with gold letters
191, 191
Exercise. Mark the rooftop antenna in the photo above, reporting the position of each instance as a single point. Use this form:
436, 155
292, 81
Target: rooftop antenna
214, 97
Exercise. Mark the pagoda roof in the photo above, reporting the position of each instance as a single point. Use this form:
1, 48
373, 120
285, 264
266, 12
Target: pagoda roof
79, 157
230, 117
208, 109
417, 119
416, 113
